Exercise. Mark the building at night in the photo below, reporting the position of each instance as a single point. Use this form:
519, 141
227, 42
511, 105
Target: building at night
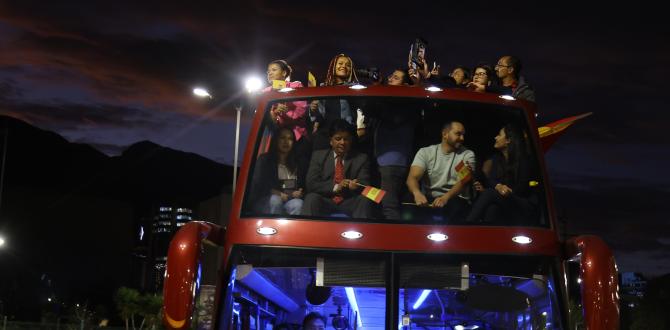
154, 235
632, 287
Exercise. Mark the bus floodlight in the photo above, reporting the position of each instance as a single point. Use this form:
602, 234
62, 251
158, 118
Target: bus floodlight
438, 237
522, 239
266, 231
352, 234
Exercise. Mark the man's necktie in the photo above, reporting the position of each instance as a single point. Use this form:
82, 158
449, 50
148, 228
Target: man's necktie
338, 177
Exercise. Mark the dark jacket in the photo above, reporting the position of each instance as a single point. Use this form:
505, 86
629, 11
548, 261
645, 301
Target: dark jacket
322, 170
523, 90
518, 183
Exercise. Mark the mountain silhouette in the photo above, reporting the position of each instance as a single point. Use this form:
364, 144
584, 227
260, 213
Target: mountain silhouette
144, 173
69, 213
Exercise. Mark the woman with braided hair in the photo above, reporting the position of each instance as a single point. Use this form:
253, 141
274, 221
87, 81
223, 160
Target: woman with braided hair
341, 71
291, 115
323, 112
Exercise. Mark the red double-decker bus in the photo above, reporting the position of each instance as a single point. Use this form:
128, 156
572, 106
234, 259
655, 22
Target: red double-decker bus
422, 269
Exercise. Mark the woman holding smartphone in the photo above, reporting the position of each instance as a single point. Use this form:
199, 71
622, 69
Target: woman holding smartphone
292, 115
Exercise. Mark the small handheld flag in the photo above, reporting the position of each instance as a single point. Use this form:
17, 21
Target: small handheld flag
278, 84
311, 80
463, 171
374, 194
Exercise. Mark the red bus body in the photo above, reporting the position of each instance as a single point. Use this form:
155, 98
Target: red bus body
596, 264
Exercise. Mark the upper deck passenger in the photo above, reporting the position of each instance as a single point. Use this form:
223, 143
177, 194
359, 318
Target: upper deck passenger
292, 115
322, 113
512, 83
392, 132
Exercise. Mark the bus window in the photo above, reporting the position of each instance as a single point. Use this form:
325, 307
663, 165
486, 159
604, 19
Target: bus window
438, 294
492, 166
277, 288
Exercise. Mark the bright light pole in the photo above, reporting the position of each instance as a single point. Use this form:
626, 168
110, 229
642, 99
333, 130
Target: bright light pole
252, 85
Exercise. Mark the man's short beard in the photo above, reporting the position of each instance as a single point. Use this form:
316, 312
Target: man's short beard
453, 144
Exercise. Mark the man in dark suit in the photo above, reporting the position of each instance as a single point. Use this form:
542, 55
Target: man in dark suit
335, 177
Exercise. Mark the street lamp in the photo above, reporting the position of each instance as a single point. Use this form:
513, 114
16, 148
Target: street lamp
201, 92
252, 85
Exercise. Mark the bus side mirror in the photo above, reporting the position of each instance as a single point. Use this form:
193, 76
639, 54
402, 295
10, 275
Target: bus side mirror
182, 272
598, 279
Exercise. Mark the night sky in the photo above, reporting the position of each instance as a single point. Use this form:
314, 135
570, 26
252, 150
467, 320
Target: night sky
113, 73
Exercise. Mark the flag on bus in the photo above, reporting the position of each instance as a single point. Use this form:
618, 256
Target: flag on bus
311, 80
374, 194
463, 171
549, 133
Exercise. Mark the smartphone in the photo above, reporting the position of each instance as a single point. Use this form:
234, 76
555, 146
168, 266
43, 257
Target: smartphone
418, 49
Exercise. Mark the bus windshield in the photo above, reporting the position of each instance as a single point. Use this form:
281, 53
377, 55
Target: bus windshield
396, 160
277, 288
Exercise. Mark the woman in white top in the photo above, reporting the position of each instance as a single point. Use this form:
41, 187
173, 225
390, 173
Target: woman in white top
277, 185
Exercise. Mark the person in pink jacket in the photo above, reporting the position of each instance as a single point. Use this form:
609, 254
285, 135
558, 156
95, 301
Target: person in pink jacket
292, 115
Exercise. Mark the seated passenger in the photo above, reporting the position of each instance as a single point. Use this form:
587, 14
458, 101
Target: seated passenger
314, 321
292, 115
278, 181
505, 191
436, 167
335, 177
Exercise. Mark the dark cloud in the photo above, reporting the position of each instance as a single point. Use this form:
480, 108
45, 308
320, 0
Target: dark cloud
626, 215
76, 116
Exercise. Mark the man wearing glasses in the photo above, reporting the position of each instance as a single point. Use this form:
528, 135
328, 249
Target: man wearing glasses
508, 71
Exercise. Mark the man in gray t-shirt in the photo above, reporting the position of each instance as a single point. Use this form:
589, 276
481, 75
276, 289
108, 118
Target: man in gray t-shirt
440, 168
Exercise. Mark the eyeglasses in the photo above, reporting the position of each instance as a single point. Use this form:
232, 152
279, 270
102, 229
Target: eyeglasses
502, 65
480, 74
